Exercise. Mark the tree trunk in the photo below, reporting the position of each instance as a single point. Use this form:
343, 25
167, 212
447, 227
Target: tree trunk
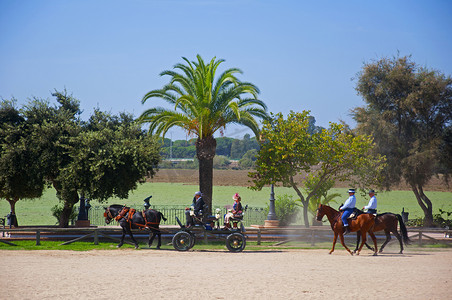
304, 201
12, 205
425, 203
67, 209
205, 152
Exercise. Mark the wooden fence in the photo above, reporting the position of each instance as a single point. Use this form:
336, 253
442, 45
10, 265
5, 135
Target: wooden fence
312, 235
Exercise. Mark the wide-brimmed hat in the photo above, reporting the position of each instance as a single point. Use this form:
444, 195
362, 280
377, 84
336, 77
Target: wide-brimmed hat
236, 196
198, 194
371, 191
351, 190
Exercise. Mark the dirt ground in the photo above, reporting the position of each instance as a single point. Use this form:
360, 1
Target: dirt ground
279, 274
240, 178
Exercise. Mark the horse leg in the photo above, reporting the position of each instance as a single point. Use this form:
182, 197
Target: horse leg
388, 238
363, 237
151, 238
397, 235
358, 238
129, 231
374, 239
334, 242
121, 242
159, 236
341, 236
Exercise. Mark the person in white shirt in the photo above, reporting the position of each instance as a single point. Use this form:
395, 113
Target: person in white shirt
372, 205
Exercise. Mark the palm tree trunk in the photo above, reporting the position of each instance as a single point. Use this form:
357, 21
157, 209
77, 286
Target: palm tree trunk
205, 152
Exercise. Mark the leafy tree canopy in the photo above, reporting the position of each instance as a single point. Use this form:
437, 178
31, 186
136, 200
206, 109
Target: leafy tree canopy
408, 112
288, 148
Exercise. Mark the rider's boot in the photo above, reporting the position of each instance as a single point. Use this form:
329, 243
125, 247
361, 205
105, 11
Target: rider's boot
346, 230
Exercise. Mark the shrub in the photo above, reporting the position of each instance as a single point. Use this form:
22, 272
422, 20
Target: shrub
56, 212
286, 209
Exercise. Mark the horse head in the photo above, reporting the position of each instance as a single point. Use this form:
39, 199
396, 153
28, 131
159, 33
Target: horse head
111, 212
320, 212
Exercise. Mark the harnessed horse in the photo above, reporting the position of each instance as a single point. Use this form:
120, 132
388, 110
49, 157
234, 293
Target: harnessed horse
363, 223
129, 218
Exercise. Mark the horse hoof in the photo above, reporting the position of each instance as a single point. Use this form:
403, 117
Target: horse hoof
137, 247
158, 248
375, 254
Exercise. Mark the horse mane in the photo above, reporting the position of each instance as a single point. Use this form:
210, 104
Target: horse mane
118, 206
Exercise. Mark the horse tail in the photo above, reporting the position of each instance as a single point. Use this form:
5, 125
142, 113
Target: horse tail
162, 216
403, 230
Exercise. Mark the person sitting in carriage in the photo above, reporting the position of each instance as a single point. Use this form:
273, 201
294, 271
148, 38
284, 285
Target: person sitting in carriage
197, 207
347, 209
236, 212
372, 205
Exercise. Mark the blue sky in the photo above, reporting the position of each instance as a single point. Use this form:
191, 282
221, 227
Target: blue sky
301, 54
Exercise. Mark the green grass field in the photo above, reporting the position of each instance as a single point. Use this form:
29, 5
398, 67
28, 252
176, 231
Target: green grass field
38, 211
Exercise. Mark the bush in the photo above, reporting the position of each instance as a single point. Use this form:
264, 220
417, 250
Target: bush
221, 162
56, 212
286, 209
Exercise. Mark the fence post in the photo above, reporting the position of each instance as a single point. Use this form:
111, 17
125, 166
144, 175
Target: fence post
96, 237
258, 236
38, 237
312, 238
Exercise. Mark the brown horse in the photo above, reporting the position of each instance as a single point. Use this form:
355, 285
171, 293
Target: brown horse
388, 222
363, 223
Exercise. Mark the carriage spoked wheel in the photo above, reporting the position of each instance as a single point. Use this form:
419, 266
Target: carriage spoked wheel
236, 242
183, 241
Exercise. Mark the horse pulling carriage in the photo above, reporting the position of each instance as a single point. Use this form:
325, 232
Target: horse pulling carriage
235, 238
129, 218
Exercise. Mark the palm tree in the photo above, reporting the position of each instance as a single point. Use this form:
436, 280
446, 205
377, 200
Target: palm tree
202, 106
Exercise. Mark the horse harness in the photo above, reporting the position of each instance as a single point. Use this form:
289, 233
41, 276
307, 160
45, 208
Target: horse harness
127, 214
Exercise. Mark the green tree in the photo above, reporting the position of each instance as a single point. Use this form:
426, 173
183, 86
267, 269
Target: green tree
320, 196
288, 149
203, 105
104, 157
408, 111
248, 159
20, 172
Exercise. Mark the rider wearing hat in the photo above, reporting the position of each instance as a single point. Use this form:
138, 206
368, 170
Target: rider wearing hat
348, 208
198, 205
372, 205
236, 209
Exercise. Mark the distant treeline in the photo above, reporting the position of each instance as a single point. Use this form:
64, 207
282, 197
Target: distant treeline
244, 151
229, 147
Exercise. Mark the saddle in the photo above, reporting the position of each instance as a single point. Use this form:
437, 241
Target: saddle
356, 212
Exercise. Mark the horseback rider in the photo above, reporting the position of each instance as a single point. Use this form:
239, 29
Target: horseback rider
348, 208
198, 205
372, 206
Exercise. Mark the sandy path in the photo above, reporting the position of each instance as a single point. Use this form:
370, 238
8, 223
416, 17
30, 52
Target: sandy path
295, 274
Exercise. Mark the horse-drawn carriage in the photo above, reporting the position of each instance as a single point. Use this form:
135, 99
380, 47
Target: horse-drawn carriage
235, 238
129, 218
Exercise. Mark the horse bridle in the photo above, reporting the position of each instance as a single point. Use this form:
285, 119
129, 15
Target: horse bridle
107, 214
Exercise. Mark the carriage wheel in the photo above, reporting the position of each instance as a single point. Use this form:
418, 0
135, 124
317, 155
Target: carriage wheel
236, 242
182, 241
193, 240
